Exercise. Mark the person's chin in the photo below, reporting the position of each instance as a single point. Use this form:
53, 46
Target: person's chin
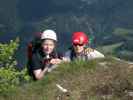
48, 52
78, 52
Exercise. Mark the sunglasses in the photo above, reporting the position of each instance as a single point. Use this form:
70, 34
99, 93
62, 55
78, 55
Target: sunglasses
76, 44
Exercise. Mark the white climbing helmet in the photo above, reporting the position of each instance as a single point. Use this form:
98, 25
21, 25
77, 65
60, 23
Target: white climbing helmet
49, 34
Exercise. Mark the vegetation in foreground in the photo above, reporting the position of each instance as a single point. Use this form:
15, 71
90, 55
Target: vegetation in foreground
104, 79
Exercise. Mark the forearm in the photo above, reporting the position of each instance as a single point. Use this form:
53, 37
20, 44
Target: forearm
39, 75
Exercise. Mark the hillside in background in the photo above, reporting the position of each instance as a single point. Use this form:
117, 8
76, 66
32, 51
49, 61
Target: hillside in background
108, 22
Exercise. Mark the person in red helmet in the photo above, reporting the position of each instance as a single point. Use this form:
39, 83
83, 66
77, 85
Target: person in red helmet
80, 50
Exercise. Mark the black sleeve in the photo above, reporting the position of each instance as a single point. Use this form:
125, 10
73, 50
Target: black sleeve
35, 62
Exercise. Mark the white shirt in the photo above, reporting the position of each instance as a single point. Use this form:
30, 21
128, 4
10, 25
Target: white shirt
89, 54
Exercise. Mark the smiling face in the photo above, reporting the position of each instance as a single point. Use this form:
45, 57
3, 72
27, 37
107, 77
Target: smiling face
48, 46
78, 48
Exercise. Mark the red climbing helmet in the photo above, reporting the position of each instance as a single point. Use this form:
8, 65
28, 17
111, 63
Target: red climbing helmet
79, 38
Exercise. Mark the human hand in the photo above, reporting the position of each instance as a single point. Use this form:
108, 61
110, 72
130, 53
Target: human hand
65, 59
55, 61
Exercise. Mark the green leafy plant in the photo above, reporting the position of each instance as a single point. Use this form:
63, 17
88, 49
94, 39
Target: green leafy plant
10, 76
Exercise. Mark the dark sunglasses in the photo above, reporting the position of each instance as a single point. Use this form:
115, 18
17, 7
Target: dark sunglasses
76, 44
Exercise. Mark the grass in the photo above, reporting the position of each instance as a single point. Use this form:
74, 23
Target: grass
110, 49
123, 31
103, 79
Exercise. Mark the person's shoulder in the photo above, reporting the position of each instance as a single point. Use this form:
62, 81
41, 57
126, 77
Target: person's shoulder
68, 52
93, 52
88, 50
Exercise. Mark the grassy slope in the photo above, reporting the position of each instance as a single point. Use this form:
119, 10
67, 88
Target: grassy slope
104, 79
110, 49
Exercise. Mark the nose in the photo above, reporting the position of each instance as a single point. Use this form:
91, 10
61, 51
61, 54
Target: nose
47, 47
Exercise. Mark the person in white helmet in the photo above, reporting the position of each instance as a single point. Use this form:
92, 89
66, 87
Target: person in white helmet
46, 57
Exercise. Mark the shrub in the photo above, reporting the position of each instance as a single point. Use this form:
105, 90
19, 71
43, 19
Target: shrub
10, 76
